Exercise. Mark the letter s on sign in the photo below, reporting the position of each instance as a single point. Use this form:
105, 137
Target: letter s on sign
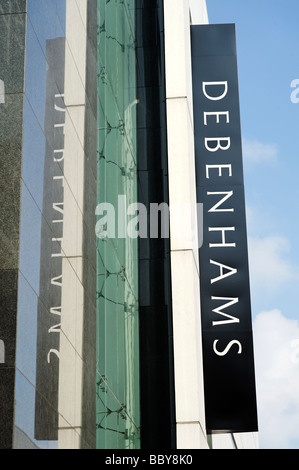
225, 351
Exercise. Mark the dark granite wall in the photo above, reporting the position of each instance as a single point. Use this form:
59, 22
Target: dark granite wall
12, 55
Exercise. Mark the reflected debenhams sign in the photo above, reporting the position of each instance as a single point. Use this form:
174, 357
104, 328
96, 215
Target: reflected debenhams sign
50, 294
229, 378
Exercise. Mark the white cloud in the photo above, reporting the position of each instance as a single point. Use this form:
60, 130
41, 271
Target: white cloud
255, 151
270, 267
259, 220
276, 340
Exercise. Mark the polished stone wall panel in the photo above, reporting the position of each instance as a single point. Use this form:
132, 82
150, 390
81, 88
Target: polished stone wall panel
12, 52
13, 6
8, 302
12, 58
7, 383
25, 159
11, 116
9, 222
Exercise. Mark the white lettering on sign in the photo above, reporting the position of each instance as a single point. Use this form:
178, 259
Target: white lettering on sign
223, 239
58, 214
228, 194
227, 348
217, 84
222, 268
216, 91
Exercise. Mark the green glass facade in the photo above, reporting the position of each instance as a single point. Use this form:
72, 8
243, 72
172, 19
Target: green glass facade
118, 397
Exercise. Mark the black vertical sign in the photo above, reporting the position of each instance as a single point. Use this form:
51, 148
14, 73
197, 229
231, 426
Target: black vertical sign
49, 308
229, 377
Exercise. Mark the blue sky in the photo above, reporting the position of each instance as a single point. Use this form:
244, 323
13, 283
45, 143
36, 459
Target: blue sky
268, 61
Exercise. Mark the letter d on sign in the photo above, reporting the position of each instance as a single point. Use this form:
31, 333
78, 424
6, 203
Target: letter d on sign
214, 98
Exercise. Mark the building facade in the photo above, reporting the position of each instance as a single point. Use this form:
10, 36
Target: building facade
100, 326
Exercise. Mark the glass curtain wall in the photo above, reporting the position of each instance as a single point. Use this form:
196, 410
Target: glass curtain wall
36, 379
118, 413
52, 401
